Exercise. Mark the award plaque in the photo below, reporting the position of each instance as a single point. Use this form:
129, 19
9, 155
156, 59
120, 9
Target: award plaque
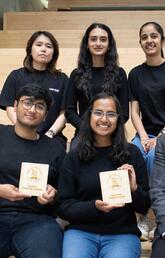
115, 187
33, 178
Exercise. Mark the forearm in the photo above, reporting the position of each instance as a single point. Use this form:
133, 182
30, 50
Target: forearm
73, 118
136, 120
11, 114
141, 200
59, 124
75, 211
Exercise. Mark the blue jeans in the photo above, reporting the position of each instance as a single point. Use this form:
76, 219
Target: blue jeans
27, 235
148, 156
82, 244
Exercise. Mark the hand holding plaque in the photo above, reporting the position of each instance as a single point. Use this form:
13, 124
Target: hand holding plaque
115, 187
33, 178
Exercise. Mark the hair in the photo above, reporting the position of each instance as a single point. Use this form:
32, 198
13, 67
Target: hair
158, 28
36, 92
28, 61
86, 148
111, 81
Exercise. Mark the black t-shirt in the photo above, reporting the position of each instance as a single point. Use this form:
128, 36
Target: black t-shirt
79, 187
15, 150
147, 86
56, 83
76, 97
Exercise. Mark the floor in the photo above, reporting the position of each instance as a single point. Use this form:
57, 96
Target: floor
146, 249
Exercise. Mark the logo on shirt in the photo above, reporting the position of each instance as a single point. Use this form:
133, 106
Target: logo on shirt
55, 90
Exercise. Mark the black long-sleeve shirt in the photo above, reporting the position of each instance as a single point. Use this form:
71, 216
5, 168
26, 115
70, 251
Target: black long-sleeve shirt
15, 150
79, 187
77, 98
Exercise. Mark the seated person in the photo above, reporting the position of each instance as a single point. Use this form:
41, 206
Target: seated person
100, 229
28, 226
157, 193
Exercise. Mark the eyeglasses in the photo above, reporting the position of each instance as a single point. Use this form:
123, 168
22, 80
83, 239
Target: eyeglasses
109, 115
28, 104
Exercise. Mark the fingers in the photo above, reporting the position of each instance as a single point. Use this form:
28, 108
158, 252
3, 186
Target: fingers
105, 207
149, 144
127, 167
132, 176
48, 196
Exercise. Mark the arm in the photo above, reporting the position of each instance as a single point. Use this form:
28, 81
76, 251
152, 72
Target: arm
136, 120
69, 207
137, 123
58, 125
8, 93
123, 95
139, 181
157, 191
71, 113
11, 114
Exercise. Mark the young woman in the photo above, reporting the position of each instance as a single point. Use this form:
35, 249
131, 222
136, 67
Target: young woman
147, 91
39, 66
97, 71
98, 229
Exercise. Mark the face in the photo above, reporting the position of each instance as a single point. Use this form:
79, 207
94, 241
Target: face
98, 42
42, 51
103, 120
150, 41
30, 112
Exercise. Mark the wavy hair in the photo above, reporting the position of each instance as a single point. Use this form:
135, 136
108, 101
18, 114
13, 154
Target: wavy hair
158, 28
86, 148
111, 81
28, 61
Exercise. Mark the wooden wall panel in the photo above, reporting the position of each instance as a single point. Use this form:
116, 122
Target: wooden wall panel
67, 4
80, 20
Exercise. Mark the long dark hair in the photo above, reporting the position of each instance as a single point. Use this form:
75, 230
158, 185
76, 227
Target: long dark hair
158, 28
86, 148
28, 61
111, 72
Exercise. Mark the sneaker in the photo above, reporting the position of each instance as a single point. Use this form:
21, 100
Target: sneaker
151, 234
143, 225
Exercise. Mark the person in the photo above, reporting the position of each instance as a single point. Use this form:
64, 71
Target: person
96, 228
28, 226
158, 199
39, 66
97, 71
147, 89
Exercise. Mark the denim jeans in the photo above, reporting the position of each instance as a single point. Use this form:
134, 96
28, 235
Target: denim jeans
148, 156
27, 235
82, 244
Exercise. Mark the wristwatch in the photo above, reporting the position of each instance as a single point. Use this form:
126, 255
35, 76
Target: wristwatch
163, 235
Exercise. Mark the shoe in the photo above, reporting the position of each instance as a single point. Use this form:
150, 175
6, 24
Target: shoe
151, 234
144, 235
143, 225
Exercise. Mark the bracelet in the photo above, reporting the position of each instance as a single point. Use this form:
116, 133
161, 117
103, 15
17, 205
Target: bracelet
51, 132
